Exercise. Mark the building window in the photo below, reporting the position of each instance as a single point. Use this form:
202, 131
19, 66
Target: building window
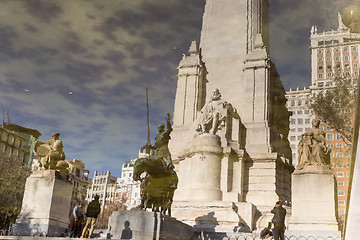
300, 130
299, 137
339, 154
347, 110
307, 111
337, 59
328, 67
355, 65
339, 145
300, 121
345, 49
328, 59
329, 145
292, 121
340, 174
292, 146
338, 136
330, 136
300, 103
353, 49
292, 103
292, 130
331, 155
292, 138
320, 59
341, 211
346, 58
320, 84
341, 193
328, 128
341, 202
299, 112
339, 165
332, 165
329, 75
340, 184
355, 58
347, 65
320, 67
320, 51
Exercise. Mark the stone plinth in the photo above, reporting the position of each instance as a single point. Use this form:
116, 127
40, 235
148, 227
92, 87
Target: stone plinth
215, 216
313, 200
135, 224
46, 204
200, 171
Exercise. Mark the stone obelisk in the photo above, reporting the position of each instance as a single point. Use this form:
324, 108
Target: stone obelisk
249, 165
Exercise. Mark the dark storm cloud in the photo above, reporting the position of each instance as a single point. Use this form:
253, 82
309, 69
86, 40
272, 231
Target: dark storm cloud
136, 50
81, 72
30, 28
113, 56
98, 42
72, 43
7, 37
43, 10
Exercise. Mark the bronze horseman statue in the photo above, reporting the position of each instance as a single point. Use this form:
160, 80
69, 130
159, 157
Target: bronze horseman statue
156, 173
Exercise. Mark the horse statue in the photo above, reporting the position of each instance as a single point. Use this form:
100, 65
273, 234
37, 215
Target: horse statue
157, 186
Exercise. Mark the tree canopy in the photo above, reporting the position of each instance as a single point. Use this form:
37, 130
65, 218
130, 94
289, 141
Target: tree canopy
336, 106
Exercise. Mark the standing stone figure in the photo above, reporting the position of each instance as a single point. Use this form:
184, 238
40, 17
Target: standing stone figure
161, 143
212, 118
50, 151
312, 147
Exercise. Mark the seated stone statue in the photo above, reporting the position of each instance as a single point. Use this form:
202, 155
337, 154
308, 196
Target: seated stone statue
212, 116
312, 147
50, 152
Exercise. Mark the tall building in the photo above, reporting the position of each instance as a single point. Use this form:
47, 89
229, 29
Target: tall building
18, 142
79, 177
298, 103
334, 53
128, 190
103, 185
123, 190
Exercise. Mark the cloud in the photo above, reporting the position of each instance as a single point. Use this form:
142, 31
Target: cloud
106, 53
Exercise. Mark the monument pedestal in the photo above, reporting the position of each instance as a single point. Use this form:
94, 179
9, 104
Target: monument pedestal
313, 199
46, 204
201, 170
137, 224
215, 216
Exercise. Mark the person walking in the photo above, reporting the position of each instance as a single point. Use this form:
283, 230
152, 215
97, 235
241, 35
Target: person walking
278, 221
77, 222
92, 213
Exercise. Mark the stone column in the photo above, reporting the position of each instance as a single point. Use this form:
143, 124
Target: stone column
313, 199
202, 168
46, 204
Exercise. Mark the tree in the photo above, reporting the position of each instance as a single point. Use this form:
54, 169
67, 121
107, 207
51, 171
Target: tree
12, 185
333, 104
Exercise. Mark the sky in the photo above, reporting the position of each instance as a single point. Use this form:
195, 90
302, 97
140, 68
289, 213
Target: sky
81, 67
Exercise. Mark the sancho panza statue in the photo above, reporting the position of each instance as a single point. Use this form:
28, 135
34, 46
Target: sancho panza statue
312, 149
50, 152
212, 116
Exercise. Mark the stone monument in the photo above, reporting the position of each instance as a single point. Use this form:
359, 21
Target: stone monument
47, 197
313, 186
229, 142
158, 182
